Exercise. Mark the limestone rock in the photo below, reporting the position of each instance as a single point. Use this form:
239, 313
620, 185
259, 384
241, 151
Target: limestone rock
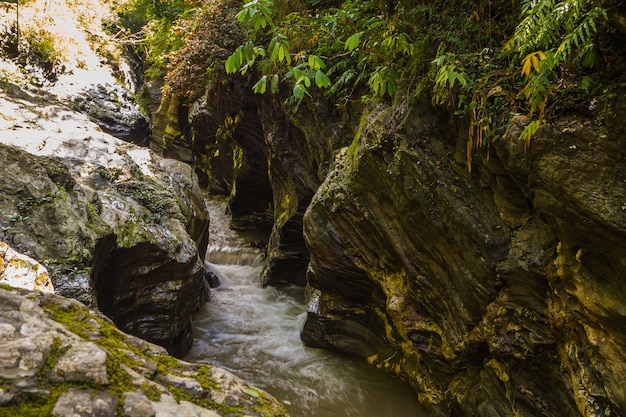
117, 227
136, 404
83, 362
64, 360
22, 271
85, 403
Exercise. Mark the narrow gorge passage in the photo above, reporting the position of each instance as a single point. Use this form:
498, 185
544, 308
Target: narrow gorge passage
254, 332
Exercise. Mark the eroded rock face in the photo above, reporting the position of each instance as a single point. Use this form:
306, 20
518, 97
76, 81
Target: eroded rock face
270, 162
118, 227
60, 359
496, 293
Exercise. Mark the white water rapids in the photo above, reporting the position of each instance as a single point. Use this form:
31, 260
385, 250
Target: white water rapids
254, 333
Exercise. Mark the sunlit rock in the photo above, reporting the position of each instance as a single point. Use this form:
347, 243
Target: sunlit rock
62, 359
21, 271
117, 227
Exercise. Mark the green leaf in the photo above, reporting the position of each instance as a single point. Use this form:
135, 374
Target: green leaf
273, 49
299, 91
321, 80
261, 85
316, 62
233, 63
353, 41
281, 53
297, 73
251, 391
274, 84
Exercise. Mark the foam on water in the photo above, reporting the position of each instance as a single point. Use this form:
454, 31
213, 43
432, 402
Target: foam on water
254, 333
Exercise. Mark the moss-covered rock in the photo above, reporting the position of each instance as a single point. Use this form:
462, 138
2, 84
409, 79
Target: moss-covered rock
495, 293
63, 359
118, 227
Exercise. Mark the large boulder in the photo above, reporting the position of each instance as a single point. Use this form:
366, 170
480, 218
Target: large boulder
61, 359
117, 227
495, 293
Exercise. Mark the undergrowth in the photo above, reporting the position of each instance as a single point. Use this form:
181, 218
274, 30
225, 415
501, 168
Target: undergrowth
485, 61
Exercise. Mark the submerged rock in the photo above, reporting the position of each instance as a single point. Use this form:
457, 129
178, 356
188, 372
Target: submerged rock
61, 359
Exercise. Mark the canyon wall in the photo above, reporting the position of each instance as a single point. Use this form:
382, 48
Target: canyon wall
495, 292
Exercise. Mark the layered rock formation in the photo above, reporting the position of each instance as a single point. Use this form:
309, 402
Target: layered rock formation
496, 293
492, 293
61, 359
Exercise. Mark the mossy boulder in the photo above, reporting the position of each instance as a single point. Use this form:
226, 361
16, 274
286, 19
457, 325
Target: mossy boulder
62, 359
118, 227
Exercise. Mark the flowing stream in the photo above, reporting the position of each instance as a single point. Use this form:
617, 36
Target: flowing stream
254, 333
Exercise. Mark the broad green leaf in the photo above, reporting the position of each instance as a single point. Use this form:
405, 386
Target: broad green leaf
251, 391
353, 41
281, 53
316, 62
248, 51
233, 63
391, 87
299, 91
274, 84
321, 80
273, 49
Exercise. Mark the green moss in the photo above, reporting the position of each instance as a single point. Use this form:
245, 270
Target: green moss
71, 316
39, 404
32, 405
56, 350
285, 212
151, 391
265, 407
237, 158
119, 354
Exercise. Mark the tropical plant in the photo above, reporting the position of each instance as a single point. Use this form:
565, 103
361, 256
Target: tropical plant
149, 27
550, 36
274, 58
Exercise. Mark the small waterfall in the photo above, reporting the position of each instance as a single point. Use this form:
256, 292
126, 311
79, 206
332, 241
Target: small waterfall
254, 333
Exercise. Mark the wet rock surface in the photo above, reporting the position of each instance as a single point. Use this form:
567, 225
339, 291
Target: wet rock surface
114, 110
59, 358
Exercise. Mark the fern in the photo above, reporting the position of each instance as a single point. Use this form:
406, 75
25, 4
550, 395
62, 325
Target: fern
567, 27
549, 36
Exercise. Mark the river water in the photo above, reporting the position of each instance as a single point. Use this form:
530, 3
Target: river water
254, 333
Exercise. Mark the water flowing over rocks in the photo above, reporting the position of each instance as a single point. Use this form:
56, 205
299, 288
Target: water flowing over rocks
117, 227
60, 359
495, 292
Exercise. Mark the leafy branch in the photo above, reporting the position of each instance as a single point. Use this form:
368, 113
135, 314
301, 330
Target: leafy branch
304, 69
552, 35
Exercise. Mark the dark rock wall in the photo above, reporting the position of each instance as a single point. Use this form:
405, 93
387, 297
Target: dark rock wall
493, 293
269, 161
496, 293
